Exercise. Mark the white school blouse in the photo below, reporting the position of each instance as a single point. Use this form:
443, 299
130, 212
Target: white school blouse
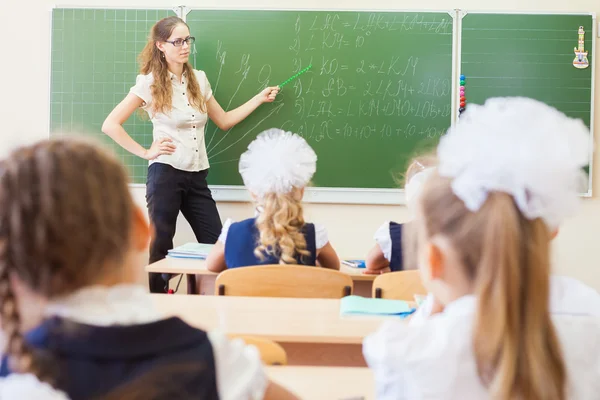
184, 125
568, 296
239, 371
384, 241
435, 361
28, 386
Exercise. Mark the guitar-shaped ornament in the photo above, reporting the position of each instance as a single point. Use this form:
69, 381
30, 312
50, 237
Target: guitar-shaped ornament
581, 60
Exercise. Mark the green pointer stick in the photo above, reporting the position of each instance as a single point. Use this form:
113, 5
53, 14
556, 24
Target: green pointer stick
295, 76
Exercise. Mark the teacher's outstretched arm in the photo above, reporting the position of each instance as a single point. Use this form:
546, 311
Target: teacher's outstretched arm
227, 119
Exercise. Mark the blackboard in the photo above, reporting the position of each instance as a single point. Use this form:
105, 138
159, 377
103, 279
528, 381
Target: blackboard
529, 55
379, 89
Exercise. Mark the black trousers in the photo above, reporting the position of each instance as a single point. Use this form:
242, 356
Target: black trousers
168, 191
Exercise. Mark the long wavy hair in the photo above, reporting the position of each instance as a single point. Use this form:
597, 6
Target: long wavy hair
280, 227
153, 61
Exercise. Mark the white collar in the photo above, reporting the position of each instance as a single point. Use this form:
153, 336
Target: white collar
462, 306
106, 305
172, 76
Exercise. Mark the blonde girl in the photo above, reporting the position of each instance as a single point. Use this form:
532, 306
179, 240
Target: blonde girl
508, 174
276, 168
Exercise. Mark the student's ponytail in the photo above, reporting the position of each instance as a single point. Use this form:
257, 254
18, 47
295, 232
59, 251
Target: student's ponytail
516, 346
506, 256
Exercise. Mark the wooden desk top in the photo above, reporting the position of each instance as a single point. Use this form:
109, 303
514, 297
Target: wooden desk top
191, 266
325, 383
280, 319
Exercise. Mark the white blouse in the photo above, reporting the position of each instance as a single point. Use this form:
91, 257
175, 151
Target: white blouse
321, 236
435, 360
239, 371
568, 296
184, 125
384, 240
28, 386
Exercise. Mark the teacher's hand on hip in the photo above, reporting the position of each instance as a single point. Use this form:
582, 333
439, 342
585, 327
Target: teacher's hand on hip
159, 147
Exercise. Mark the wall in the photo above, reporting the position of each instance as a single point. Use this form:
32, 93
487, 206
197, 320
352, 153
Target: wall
24, 104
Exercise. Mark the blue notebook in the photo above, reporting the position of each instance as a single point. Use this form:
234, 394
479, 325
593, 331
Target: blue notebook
355, 263
191, 250
357, 305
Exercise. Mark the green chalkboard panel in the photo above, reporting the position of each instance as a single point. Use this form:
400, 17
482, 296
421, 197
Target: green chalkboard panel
529, 55
379, 87
93, 66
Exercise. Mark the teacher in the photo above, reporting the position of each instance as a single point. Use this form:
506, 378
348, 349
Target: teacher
179, 101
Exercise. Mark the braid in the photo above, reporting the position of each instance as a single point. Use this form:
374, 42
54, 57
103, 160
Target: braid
20, 355
65, 220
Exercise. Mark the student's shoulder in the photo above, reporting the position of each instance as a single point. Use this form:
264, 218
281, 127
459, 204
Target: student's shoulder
437, 337
28, 386
580, 342
239, 368
244, 222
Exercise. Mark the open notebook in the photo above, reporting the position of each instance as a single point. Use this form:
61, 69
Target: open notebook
357, 305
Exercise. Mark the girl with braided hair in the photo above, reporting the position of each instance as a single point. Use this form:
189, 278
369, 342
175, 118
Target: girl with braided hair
71, 233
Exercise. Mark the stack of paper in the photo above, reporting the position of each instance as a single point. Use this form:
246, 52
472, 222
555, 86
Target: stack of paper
357, 305
191, 250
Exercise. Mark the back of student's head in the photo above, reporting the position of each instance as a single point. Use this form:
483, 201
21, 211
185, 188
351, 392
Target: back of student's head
420, 164
507, 176
65, 217
276, 168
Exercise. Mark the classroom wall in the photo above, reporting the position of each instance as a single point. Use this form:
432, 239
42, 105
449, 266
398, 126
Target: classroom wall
24, 104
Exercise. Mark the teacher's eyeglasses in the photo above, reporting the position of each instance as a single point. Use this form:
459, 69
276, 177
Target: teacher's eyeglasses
179, 42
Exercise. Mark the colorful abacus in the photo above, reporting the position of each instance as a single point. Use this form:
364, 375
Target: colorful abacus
463, 99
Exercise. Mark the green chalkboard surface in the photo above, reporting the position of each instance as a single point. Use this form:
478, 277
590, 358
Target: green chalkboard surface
529, 55
94, 64
379, 88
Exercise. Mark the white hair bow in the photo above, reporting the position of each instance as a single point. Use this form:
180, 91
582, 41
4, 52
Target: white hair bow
276, 162
521, 147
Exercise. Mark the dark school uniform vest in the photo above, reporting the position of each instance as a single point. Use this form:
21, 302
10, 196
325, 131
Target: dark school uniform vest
157, 359
242, 239
397, 260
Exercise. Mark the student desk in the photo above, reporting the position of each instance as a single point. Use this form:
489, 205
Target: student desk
191, 267
310, 330
325, 383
